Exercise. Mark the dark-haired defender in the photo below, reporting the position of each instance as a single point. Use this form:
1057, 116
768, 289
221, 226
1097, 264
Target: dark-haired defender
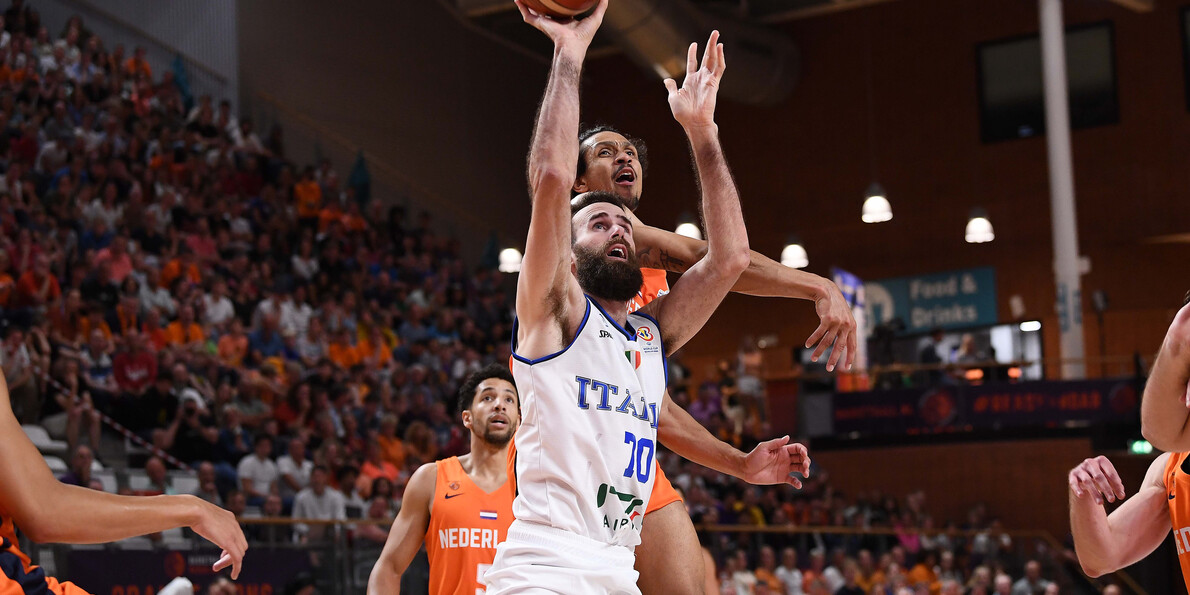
591, 376
460, 507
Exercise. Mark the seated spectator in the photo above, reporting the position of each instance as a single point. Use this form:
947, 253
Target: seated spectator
80, 468
17, 361
318, 501
233, 346
375, 534
391, 447
158, 479
135, 368
266, 342
345, 482
208, 488
1031, 583
257, 472
36, 287
97, 366
294, 469
185, 331
766, 571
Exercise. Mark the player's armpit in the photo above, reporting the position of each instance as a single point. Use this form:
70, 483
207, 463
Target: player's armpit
406, 535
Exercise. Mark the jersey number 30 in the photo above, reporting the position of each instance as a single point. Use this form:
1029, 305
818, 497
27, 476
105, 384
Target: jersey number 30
640, 463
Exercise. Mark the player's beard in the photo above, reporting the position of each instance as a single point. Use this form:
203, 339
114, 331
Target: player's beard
498, 438
602, 277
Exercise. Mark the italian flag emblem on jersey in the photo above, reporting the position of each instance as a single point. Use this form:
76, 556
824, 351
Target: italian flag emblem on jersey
633, 358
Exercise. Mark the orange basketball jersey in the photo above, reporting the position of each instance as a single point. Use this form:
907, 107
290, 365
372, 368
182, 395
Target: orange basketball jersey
654, 286
466, 523
19, 575
1177, 485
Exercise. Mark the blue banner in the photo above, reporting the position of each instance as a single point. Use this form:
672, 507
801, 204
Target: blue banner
955, 299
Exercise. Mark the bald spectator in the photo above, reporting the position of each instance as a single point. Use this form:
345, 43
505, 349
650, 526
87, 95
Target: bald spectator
158, 478
1031, 583
1003, 585
207, 484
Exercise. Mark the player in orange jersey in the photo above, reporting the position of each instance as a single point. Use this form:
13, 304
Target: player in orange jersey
49, 511
460, 507
611, 161
1105, 543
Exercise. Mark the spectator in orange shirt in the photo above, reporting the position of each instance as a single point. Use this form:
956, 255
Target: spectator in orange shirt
766, 572
392, 449
375, 466
37, 287
185, 331
137, 64
341, 351
353, 220
93, 321
66, 321
923, 572
233, 346
183, 264
375, 352
156, 334
126, 317
308, 195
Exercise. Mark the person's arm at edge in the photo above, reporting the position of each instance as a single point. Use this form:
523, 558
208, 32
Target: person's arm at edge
1164, 414
662, 249
546, 290
50, 511
1106, 543
769, 463
406, 535
694, 297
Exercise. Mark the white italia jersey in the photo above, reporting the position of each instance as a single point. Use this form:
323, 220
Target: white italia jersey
587, 443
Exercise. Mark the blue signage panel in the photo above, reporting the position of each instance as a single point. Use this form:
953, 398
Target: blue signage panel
954, 299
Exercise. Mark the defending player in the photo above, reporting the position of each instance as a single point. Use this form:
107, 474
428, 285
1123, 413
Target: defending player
579, 354
460, 507
1106, 543
670, 558
49, 511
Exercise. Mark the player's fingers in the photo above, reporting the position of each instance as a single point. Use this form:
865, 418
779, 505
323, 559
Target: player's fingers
1102, 485
1085, 484
721, 61
671, 86
526, 14
793, 481
851, 347
692, 59
1113, 478
1073, 483
816, 335
836, 353
827, 341
223, 562
708, 54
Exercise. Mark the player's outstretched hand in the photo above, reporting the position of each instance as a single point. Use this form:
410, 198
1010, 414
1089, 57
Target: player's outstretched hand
564, 31
221, 528
1097, 479
836, 326
694, 104
775, 461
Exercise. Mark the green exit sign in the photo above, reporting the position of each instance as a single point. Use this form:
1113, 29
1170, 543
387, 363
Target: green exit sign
1140, 447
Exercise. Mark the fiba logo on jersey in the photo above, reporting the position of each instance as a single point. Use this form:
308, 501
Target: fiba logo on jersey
644, 333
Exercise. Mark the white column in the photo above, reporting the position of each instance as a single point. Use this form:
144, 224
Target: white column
1065, 225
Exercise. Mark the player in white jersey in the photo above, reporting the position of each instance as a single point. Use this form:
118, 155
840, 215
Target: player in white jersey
592, 377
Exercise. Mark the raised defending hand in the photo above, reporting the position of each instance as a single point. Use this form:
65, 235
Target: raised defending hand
566, 31
1097, 479
694, 104
836, 327
220, 527
774, 461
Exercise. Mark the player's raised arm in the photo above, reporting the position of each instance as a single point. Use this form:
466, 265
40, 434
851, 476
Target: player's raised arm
663, 249
769, 463
547, 294
695, 296
1106, 543
50, 511
407, 533
1165, 408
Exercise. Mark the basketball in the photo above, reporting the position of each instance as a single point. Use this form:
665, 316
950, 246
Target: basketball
561, 9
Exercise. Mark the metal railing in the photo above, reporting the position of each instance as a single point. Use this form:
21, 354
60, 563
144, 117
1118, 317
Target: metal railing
341, 560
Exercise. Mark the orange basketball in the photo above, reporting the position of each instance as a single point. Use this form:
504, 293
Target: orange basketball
561, 9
